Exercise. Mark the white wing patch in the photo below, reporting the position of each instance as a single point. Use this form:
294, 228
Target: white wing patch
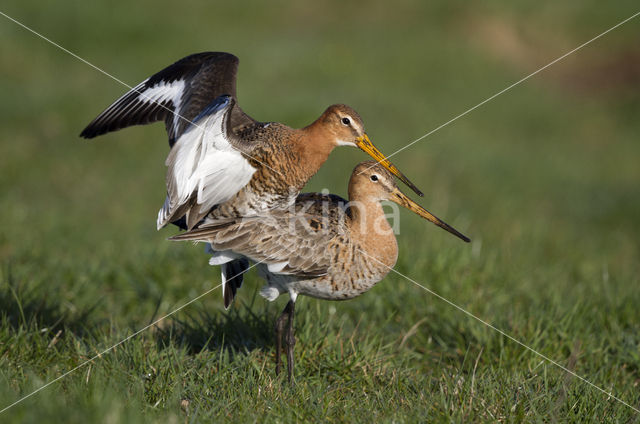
204, 163
162, 92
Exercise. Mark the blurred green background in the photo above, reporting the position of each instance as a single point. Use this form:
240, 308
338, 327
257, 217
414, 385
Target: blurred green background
544, 179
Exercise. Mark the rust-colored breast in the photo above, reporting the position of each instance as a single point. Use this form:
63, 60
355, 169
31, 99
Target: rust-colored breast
284, 158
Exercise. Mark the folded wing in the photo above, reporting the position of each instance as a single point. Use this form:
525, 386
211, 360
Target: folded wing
298, 244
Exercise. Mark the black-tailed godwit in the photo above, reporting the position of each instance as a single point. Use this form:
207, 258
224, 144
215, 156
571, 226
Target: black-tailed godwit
321, 247
223, 163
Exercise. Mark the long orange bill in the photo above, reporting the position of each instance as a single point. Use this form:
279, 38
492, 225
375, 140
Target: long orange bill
365, 144
398, 197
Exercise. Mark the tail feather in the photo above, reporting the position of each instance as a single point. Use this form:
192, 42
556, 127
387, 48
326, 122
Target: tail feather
232, 278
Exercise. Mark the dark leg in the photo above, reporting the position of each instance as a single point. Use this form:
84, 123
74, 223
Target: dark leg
287, 315
284, 316
290, 341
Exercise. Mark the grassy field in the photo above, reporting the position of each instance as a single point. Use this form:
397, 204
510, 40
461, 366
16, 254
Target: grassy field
545, 179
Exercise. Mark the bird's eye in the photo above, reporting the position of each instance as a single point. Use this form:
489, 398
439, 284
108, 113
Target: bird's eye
346, 121
374, 178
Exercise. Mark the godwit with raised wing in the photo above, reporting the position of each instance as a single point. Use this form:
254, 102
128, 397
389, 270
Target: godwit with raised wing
322, 247
222, 162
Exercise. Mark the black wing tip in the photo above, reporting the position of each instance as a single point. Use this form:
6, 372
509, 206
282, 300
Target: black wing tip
90, 132
93, 131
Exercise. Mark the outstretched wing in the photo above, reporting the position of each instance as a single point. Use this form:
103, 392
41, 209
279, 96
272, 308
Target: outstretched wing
204, 169
301, 244
177, 95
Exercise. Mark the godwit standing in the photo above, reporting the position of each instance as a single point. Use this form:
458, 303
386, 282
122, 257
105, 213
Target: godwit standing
222, 162
322, 247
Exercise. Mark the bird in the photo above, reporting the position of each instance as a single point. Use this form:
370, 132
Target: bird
222, 163
323, 247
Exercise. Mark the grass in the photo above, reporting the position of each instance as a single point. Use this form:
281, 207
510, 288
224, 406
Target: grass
544, 179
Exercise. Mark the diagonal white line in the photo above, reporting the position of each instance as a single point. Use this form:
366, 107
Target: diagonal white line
397, 272
513, 339
488, 99
172, 312
121, 82
88, 361
60, 377
65, 50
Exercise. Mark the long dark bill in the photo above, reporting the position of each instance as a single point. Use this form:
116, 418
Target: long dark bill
399, 197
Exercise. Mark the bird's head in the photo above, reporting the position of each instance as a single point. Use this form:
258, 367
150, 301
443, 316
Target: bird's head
346, 128
372, 182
